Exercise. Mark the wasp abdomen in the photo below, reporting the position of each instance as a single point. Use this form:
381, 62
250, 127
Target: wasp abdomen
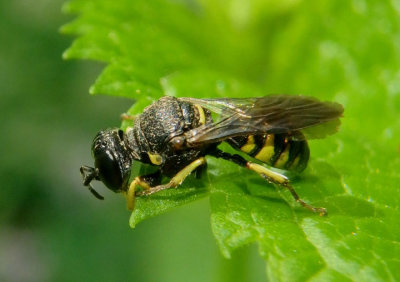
276, 150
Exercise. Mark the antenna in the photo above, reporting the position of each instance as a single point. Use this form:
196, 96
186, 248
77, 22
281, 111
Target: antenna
88, 174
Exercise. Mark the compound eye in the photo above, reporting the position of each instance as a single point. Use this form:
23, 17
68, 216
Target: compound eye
109, 172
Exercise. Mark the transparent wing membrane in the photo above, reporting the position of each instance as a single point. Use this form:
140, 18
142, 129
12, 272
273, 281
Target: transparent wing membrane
266, 115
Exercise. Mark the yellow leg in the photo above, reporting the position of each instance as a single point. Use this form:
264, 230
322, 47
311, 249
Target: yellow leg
282, 180
269, 175
177, 179
126, 116
130, 194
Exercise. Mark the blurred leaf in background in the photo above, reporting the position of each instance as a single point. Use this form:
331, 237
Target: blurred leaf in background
51, 228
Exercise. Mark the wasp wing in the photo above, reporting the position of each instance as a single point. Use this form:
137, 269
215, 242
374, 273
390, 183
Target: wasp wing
266, 115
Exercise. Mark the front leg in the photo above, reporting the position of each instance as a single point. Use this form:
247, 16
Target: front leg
177, 179
146, 182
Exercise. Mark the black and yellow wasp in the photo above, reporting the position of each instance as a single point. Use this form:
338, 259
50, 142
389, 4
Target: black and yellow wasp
175, 135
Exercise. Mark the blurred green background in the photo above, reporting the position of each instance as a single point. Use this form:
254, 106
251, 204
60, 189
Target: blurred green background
51, 228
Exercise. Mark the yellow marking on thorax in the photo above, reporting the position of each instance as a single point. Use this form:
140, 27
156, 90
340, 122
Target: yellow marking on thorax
283, 158
249, 146
267, 150
155, 158
202, 116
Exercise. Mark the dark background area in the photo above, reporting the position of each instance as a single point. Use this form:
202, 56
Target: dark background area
51, 227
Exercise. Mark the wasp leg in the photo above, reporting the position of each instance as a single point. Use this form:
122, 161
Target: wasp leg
270, 176
177, 179
199, 172
145, 182
126, 116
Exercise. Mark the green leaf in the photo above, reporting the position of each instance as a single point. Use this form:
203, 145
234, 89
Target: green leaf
163, 201
347, 51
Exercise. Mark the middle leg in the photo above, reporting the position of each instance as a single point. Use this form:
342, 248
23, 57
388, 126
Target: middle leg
177, 179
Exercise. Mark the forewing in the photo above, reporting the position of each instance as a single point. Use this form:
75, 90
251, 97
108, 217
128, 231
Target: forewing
266, 115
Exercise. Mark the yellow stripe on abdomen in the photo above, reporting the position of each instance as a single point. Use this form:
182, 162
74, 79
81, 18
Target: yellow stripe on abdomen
249, 146
295, 162
268, 149
283, 158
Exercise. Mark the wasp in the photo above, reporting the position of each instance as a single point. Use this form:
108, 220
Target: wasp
176, 134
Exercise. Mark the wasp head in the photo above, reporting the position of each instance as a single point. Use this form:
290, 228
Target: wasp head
112, 160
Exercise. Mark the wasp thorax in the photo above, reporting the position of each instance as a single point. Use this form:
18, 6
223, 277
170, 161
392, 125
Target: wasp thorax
112, 158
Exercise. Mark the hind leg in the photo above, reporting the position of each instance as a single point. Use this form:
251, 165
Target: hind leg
270, 176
